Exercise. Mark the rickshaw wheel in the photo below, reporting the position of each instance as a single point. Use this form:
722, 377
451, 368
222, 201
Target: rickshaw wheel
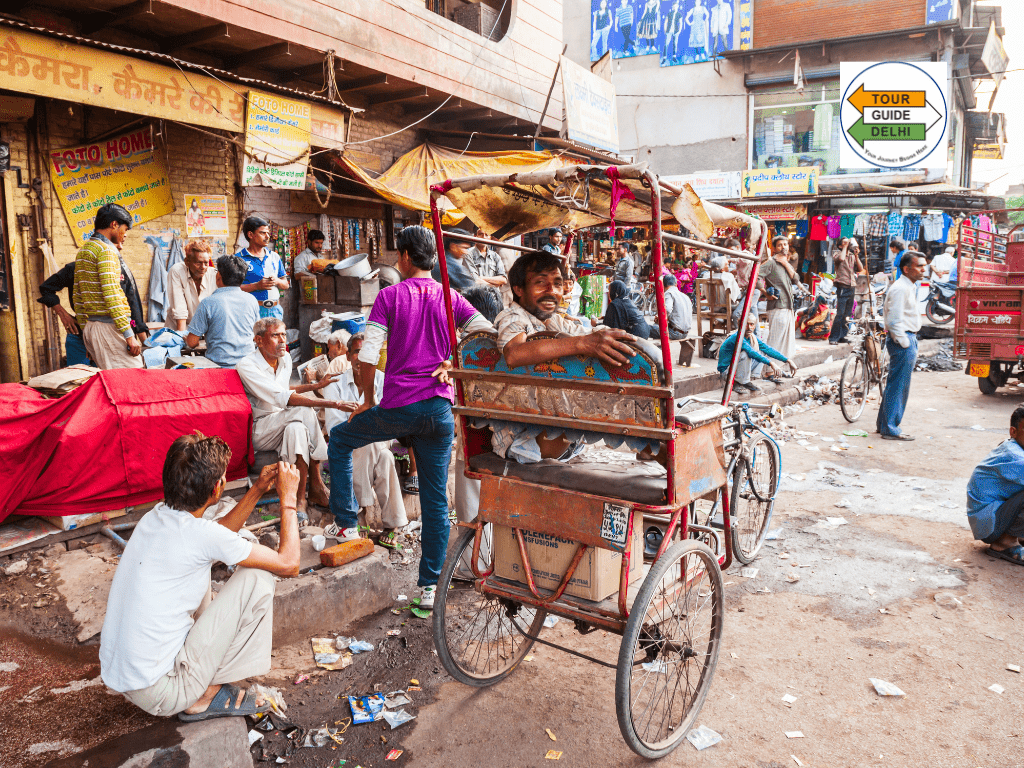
753, 498
477, 637
675, 627
854, 387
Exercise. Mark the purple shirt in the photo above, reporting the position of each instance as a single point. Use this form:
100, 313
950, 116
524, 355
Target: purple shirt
414, 317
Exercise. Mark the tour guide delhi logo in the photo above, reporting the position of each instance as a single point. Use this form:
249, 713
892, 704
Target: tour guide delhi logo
893, 115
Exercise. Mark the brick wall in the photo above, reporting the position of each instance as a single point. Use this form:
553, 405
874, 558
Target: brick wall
783, 22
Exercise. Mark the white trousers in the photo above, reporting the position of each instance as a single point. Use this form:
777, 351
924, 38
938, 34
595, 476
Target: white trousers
782, 331
374, 475
293, 432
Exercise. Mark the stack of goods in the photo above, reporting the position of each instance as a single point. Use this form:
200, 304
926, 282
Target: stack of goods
58, 383
289, 242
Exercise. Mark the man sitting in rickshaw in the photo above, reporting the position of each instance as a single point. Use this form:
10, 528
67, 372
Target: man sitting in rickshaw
538, 282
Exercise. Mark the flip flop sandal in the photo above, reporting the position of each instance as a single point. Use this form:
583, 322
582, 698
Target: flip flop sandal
411, 484
389, 540
1013, 555
223, 705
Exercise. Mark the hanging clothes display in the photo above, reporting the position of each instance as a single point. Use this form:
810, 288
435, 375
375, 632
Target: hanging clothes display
911, 227
847, 222
895, 224
819, 228
832, 227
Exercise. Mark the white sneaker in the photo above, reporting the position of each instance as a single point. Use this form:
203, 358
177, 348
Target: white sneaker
427, 597
341, 535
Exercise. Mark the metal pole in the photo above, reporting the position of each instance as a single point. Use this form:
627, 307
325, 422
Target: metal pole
740, 330
551, 90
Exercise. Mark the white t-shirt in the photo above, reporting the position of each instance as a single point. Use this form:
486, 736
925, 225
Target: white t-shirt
161, 580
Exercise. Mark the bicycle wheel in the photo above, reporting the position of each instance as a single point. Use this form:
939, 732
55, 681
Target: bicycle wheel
675, 629
753, 497
854, 385
476, 636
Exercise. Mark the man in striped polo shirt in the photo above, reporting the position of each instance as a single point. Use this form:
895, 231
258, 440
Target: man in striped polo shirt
102, 308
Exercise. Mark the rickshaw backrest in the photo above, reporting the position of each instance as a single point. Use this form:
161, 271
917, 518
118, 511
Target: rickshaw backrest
479, 352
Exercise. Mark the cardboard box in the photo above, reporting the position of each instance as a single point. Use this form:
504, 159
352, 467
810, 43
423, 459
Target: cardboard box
596, 577
307, 290
71, 522
352, 290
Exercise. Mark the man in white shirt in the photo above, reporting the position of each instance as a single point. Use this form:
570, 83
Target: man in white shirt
188, 283
165, 645
902, 322
314, 245
373, 465
283, 418
942, 264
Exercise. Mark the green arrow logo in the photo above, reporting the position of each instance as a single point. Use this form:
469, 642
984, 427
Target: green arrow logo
862, 132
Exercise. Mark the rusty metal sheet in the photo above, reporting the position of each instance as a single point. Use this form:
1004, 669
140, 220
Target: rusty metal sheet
699, 467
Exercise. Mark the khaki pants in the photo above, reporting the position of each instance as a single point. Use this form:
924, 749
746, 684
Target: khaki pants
373, 472
107, 347
293, 432
231, 640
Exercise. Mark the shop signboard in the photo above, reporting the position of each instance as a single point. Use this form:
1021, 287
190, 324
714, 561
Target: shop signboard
276, 142
206, 216
780, 212
590, 111
123, 169
41, 66
710, 185
778, 182
994, 56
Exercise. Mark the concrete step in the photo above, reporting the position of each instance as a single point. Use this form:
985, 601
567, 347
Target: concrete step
217, 743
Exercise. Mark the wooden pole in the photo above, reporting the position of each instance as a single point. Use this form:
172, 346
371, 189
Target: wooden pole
547, 101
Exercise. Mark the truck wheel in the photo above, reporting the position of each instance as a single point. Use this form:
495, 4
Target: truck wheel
987, 386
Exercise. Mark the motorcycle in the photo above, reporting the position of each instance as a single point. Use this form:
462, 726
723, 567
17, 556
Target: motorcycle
941, 304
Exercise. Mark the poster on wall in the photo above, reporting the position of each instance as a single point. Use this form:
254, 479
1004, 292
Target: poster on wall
277, 132
696, 30
206, 216
590, 113
939, 10
123, 169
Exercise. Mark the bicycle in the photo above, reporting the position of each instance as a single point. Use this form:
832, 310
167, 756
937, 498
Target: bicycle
866, 366
754, 471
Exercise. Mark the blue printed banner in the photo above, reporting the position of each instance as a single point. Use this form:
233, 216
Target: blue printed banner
939, 10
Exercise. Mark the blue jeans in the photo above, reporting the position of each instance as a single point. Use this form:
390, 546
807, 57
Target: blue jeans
274, 311
75, 349
430, 427
897, 385
844, 308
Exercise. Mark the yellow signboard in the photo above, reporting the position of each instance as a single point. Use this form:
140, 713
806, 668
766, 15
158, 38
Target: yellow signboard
43, 66
771, 182
276, 142
123, 170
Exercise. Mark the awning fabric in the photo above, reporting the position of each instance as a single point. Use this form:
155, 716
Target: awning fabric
102, 447
407, 182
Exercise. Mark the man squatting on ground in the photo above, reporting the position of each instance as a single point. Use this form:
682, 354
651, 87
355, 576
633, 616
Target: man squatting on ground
754, 356
416, 402
995, 496
283, 415
165, 645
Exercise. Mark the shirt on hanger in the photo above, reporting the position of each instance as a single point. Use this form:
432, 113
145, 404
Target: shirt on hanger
931, 227
832, 227
819, 230
860, 224
801, 229
895, 224
846, 224
878, 225
911, 227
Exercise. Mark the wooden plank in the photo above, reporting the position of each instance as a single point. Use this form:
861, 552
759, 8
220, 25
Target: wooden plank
218, 31
409, 94
363, 82
94, 22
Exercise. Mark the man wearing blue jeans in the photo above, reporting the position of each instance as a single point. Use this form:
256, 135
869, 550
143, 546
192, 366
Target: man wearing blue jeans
416, 401
902, 322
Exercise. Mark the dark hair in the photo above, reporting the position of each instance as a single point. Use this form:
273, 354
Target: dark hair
252, 223
314, 234
896, 245
453, 236
732, 242
777, 238
910, 255
112, 213
553, 232
193, 467
353, 339
419, 243
669, 280
532, 262
1017, 416
232, 269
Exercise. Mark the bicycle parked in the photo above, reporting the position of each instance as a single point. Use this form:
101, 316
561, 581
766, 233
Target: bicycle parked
866, 367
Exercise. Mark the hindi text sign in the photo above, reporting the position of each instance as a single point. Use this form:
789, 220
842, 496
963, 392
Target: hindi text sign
590, 110
277, 134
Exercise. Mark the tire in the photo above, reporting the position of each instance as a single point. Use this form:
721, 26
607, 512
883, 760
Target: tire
854, 387
474, 635
678, 624
987, 386
935, 314
753, 498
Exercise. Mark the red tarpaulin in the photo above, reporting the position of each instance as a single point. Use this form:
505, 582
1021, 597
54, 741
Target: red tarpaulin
102, 446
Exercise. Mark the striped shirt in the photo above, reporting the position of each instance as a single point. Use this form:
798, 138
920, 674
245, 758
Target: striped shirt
98, 290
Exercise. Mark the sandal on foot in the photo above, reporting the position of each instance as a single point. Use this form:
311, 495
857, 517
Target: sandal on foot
223, 705
1013, 555
411, 484
389, 540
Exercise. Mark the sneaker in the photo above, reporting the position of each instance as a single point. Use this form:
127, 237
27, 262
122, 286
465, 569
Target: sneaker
427, 597
341, 535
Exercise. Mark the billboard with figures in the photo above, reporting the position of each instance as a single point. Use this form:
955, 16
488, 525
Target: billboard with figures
677, 31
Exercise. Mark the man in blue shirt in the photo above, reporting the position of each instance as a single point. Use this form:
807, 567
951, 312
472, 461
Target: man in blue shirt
554, 243
754, 355
226, 317
995, 496
266, 277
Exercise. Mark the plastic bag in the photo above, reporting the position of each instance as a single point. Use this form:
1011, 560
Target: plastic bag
320, 330
367, 709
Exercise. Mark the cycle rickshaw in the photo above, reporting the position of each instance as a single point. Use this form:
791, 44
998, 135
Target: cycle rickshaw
671, 622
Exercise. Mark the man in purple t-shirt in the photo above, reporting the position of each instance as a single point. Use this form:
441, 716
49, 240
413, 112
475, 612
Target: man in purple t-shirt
416, 401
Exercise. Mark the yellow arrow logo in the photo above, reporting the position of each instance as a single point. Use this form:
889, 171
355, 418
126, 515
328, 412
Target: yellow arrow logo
906, 99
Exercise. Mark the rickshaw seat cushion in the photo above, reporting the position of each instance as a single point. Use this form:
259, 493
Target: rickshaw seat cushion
698, 418
640, 482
